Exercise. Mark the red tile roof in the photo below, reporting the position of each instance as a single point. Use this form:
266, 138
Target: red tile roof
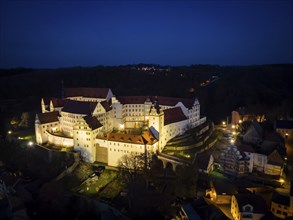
92, 122
48, 117
149, 137
79, 107
173, 115
128, 138
86, 92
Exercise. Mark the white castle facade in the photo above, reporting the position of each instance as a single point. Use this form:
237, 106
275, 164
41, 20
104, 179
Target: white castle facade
103, 127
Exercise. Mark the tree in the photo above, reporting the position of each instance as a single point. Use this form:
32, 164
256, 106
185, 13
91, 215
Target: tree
185, 185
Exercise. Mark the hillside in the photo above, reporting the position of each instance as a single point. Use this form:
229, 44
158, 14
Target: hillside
261, 89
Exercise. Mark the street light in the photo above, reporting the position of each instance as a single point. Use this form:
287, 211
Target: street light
223, 123
233, 126
9, 132
30, 143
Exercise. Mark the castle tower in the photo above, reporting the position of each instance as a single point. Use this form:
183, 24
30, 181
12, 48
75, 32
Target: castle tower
43, 106
156, 120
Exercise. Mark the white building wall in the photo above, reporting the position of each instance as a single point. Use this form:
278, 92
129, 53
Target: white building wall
59, 140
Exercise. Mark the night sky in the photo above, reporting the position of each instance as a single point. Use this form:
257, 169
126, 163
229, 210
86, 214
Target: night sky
88, 33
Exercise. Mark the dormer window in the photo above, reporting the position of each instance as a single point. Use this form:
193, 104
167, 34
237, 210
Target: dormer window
247, 208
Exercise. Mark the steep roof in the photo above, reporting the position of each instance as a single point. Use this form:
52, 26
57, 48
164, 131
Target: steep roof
127, 138
224, 187
257, 127
106, 106
149, 137
132, 99
48, 117
273, 136
207, 210
258, 203
173, 115
285, 124
171, 101
57, 102
275, 158
92, 122
281, 199
167, 101
79, 107
86, 92
244, 147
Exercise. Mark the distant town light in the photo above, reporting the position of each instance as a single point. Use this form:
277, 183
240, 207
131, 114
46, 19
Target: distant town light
232, 141
30, 143
233, 132
223, 123
240, 121
233, 126
9, 132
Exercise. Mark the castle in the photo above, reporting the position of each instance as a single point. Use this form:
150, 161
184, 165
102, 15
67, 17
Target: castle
103, 127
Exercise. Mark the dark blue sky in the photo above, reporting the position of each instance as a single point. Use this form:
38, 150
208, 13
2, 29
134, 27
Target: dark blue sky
88, 33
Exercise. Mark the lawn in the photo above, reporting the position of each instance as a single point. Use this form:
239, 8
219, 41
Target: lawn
92, 186
111, 190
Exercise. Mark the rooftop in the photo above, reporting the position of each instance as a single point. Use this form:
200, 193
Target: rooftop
48, 117
92, 122
173, 115
284, 124
258, 203
79, 107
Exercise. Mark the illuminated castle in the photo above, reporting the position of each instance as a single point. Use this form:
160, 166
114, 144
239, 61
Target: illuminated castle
103, 127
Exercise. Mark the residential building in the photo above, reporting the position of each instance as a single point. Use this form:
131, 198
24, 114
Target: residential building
248, 206
284, 128
204, 162
234, 161
221, 192
282, 204
254, 134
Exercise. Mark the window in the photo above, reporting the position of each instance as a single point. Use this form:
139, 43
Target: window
247, 208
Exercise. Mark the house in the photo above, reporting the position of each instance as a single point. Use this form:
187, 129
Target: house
254, 134
205, 162
221, 192
241, 114
235, 162
248, 206
284, 127
202, 209
282, 204
187, 212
